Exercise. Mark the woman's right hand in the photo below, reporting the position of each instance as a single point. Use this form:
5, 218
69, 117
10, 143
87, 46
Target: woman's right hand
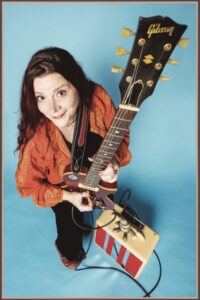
76, 199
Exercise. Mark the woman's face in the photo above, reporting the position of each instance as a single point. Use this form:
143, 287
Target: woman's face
56, 97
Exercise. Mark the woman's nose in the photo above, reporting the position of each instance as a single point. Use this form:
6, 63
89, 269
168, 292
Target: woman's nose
54, 104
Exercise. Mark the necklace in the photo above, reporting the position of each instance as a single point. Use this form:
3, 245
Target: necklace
72, 120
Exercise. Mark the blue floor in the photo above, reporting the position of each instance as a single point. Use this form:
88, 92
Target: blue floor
32, 267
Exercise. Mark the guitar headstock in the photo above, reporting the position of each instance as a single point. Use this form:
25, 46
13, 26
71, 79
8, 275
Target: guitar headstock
155, 40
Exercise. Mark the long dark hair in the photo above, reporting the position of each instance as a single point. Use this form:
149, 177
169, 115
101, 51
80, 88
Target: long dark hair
43, 62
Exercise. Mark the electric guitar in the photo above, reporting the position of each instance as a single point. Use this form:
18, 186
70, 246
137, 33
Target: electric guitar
155, 40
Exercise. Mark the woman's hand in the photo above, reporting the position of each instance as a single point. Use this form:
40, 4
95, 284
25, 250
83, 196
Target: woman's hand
110, 173
76, 199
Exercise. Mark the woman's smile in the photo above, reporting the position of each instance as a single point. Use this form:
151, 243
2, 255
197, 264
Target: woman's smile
60, 116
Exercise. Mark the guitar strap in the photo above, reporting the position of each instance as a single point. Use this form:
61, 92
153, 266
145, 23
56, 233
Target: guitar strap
80, 137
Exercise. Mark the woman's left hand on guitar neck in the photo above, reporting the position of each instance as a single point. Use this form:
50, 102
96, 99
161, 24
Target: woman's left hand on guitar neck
111, 172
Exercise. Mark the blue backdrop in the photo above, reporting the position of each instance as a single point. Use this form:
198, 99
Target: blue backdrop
161, 176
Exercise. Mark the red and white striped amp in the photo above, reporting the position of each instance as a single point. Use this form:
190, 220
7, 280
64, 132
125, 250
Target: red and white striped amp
127, 240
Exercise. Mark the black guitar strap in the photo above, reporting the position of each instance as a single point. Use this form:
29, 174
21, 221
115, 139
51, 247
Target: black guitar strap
80, 137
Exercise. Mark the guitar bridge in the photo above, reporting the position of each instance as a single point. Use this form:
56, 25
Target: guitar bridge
87, 187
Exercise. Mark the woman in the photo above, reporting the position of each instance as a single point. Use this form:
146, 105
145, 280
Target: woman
53, 87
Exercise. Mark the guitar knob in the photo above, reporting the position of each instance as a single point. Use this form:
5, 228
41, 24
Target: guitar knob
125, 237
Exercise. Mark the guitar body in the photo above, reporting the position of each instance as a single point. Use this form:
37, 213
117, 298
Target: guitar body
102, 196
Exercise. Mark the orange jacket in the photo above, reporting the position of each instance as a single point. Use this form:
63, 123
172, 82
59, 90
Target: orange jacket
42, 160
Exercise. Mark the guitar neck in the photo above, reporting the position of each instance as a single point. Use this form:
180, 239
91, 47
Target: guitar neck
110, 144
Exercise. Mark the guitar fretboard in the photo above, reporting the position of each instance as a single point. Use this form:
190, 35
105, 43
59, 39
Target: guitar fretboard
110, 145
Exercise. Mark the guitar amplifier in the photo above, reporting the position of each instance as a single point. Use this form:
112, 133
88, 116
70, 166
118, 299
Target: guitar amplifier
127, 240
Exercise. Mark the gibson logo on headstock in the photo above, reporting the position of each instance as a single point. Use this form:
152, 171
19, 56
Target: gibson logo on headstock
156, 28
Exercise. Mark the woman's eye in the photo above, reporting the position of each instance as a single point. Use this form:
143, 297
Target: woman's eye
61, 93
40, 98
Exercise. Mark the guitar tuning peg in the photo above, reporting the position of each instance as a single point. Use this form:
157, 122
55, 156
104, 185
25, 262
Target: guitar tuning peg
183, 42
127, 32
116, 69
121, 51
164, 77
173, 61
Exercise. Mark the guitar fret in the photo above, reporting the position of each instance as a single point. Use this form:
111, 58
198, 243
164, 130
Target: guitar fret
124, 120
108, 148
100, 166
99, 161
110, 142
92, 182
92, 174
119, 136
102, 162
97, 169
104, 152
103, 156
118, 128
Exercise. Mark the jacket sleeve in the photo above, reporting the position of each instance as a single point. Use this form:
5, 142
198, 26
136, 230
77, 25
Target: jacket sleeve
31, 179
123, 155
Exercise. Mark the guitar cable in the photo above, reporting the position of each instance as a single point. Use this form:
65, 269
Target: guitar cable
91, 228
146, 293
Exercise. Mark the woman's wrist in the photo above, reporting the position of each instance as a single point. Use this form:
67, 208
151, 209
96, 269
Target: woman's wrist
66, 196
